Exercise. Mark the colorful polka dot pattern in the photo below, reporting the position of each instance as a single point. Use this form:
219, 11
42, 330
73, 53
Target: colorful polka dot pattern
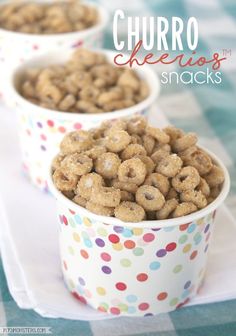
131, 271
40, 138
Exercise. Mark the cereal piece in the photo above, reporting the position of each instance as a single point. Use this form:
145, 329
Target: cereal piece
170, 165
129, 212
137, 125
148, 143
150, 198
215, 176
108, 97
107, 72
199, 160
95, 152
188, 178
126, 196
132, 150
203, 187
184, 209
107, 165
76, 141
126, 186
169, 206
158, 134
69, 194
129, 79
80, 200
99, 209
56, 163
187, 153
67, 103
184, 142
87, 183
64, 181
173, 132
89, 93
132, 171
150, 165
158, 181
172, 193
151, 215
136, 139
106, 196
77, 163
194, 196
158, 155
215, 191
164, 147
117, 141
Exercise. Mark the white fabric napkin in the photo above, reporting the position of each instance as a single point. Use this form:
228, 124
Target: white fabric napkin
29, 248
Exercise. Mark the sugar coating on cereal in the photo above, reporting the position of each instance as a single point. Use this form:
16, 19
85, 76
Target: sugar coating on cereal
163, 175
53, 18
88, 83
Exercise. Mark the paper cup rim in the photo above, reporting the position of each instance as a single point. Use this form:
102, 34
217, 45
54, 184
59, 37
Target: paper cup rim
104, 18
151, 224
148, 74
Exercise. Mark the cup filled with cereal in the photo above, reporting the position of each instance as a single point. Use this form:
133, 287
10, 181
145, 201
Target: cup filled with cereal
28, 28
136, 206
57, 93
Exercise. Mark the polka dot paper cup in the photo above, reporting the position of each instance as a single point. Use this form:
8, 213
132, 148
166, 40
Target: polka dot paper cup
16, 48
134, 269
41, 130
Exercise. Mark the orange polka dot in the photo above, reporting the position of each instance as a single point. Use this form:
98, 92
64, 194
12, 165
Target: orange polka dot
129, 244
162, 296
84, 254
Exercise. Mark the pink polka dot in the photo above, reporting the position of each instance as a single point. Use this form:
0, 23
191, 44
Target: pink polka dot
50, 123
143, 306
171, 247
142, 277
43, 137
64, 220
193, 255
121, 286
115, 311
77, 126
65, 265
105, 256
114, 239
28, 132
184, 227
61, 129
148, 237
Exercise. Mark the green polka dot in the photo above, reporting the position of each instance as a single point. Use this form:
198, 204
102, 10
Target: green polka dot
123, 307
102, 232
177, 268
174, 301
125, 262
183, 239
71, 250
72, 223
138, 251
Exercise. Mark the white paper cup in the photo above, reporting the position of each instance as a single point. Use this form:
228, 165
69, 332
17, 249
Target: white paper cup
16, 48
41, 130
134, 269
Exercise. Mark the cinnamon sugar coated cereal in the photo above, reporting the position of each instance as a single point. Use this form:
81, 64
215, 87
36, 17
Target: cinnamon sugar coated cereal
165, 175
54, 18
87, 83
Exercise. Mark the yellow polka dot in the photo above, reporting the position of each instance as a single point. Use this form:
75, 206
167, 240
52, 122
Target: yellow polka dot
76, 237
117, 247
187, 248
137, 231
102, 232
101, 291
71, 250
87, 221
71, 284
200, 221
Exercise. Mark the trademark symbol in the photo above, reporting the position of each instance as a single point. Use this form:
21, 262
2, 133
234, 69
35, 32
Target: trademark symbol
226, 52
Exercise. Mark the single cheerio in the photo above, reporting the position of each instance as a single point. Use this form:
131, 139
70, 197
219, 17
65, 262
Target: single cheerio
41, 130
135, 269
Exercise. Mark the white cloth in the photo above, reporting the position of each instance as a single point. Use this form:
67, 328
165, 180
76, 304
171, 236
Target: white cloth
29, 247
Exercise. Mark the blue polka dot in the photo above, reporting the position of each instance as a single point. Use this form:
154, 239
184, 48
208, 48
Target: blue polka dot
88, 243
169, 228
131, 298
131, 310
127, 233
78, 219
191, 228
155, 265
197, 238
185, 294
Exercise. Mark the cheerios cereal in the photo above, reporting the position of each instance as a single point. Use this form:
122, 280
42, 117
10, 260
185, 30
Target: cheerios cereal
132, 171
88, 83
54, 18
